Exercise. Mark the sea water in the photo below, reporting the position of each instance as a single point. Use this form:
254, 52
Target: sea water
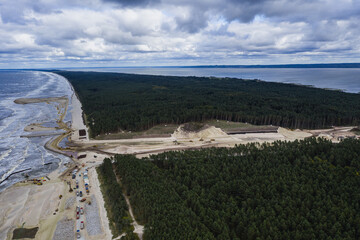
18, 152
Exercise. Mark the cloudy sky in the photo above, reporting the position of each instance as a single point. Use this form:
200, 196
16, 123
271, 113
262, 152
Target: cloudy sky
70, 33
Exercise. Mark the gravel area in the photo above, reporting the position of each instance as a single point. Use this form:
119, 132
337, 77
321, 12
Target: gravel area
69, 202
64, 230
93, 224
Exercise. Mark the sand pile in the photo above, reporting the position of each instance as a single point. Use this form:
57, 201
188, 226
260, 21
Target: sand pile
293, 134
324, 135
206, 133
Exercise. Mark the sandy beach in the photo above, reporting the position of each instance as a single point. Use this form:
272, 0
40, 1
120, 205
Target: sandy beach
30, 205
77, 119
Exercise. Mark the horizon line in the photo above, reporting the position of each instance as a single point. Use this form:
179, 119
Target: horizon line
299, 65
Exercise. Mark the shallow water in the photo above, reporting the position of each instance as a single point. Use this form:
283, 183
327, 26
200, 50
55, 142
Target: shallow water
17, 152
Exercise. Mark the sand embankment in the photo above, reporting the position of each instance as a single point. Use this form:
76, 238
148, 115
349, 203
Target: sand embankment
36, 127
41, 100
293, 134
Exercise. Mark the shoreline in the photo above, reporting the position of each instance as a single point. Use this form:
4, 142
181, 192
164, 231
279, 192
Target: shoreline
47, 207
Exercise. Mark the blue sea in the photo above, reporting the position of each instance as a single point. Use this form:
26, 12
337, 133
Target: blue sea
16, 151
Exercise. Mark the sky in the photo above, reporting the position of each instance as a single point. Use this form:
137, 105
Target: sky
110, 33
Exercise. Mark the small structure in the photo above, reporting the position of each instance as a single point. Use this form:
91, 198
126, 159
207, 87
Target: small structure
82, 132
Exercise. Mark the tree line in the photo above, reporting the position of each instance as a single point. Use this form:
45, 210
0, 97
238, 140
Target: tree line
116, 207
113, 102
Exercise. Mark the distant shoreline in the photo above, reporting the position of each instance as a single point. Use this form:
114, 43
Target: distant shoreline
310, 65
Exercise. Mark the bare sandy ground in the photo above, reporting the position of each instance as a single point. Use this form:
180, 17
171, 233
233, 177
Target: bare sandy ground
77, 119
30, 205
180, 140
210, 137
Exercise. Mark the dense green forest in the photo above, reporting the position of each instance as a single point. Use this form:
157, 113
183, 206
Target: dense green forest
305, 189
115, 101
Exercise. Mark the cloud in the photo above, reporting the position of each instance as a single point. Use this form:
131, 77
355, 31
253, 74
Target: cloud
142, 3
177, 32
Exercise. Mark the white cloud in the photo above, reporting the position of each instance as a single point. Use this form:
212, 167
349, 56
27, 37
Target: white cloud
183, 32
